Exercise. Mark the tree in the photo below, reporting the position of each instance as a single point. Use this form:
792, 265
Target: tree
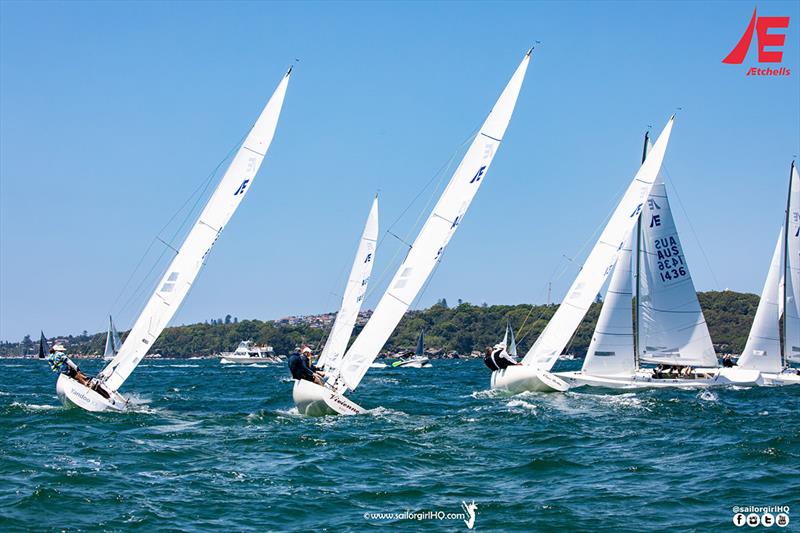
227, 319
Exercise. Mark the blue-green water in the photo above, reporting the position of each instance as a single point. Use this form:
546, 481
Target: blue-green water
210, 447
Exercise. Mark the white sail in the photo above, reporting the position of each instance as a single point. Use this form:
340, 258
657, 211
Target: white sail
511, 347
552, 341
673, 329
184, 268
108, 351
792, 311
353, 297
115, 340
611, 349
763, 349
439, 228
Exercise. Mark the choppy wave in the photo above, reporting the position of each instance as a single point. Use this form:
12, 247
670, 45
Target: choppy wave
207, 447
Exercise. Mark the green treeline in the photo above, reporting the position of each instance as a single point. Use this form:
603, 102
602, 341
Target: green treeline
461, 328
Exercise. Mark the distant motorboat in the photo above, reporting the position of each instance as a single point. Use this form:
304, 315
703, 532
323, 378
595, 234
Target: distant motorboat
249, 352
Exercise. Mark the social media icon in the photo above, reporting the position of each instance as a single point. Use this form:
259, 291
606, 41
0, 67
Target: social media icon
753, 520
739, 519
767, 520
782, 519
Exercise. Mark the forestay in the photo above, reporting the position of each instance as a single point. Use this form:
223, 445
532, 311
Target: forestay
763, 349
673, 329
427, 249
353, 296
183, 270
552, 341
611, 349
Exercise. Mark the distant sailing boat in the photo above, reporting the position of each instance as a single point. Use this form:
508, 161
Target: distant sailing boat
102, 393
534, 372
671, 329
335, 347
43, 348
113, 344
770, 348
511, 347
418, 360
422, 257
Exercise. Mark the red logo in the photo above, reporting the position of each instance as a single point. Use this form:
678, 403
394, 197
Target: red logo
761, 26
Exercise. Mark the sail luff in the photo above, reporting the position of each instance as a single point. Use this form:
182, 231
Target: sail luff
434, 236
598, 265
185, 266
353, 296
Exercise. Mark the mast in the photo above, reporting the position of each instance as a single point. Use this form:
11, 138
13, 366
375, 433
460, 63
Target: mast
785, 271
637, 271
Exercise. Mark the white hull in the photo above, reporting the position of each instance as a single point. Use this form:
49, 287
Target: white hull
242, 359
378, 365
523, 378
771, 379
644, 379
414, 363
70, 392
314, 400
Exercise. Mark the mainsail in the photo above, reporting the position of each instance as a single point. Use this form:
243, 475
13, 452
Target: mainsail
552, 341
792, 271
420, 350
183, 270
611, 349
763, 349
427, 249
673, 329
353, 297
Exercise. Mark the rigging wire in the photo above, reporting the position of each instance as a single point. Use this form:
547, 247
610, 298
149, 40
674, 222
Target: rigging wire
198, 193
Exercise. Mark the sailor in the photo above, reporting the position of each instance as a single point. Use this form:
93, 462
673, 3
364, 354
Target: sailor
59, 362
301, 367
498, 358
727, 362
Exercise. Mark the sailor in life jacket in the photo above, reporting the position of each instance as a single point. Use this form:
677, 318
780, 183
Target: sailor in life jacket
59, 362
498, 358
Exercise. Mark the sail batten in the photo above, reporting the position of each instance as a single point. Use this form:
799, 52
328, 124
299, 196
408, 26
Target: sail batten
182, 271
433, 238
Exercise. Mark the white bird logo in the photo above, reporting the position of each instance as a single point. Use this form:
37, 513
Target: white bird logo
470, 509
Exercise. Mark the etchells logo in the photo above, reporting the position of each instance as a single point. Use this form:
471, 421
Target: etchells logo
761, 26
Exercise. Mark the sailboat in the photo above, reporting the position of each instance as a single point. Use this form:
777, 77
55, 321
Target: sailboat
102, 393
670, 327
113, 343
330, 360
770, 348
418, 359
534, 372
422, 257
43, 349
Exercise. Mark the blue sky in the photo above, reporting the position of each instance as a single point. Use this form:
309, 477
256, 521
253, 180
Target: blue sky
111, 114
